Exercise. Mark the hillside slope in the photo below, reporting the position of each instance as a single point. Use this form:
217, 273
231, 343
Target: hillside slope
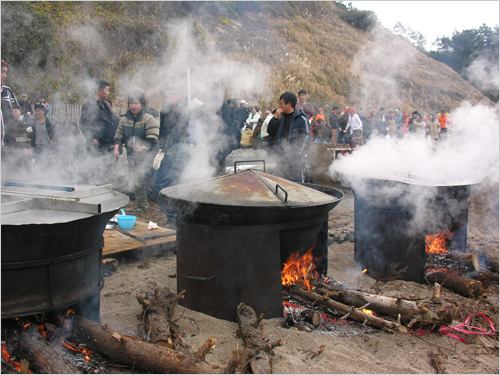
250, 50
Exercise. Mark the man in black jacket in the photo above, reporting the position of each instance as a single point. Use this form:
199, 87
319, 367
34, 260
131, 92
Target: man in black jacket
334, 122
96, 121
292, 137
173, 154
10, 111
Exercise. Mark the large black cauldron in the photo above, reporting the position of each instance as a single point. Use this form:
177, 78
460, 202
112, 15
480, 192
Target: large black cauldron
393, 217
235, 232
52, 248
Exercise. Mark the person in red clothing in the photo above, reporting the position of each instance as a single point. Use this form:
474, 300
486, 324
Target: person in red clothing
444, 122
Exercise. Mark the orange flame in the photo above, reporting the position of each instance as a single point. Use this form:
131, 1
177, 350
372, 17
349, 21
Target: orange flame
369, 312
6, 356
436, 243
86, 352
299, 269
365, 270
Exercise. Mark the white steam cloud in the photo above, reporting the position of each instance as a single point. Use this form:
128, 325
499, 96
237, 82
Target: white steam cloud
213, 74
484, 74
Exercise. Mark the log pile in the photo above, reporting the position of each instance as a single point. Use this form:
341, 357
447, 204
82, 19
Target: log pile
391, 314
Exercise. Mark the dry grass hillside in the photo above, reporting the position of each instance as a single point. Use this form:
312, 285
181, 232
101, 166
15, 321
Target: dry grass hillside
339, 64
290, 45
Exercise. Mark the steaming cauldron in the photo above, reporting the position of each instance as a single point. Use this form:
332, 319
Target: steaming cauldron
52, 248
234, 233
393, 217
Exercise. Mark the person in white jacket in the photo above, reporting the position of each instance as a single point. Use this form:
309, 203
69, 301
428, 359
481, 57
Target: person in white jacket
253, 117
354, 126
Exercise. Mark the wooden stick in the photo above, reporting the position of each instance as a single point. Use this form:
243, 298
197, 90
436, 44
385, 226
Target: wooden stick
139, 354
461, 285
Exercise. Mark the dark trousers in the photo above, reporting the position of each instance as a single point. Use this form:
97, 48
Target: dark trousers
168, 174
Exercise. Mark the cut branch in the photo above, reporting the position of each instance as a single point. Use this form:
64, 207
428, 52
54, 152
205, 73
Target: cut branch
462, 285
140, 354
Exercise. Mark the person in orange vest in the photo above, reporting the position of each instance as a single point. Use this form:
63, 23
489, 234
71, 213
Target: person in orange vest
444, 122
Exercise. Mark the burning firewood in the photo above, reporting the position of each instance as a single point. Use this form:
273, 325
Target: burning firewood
430, 312
462, 285
468, 261
139, 354
348, 312
158, 306
44, 357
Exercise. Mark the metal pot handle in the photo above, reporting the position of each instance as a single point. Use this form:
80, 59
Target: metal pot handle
250, 161
284, 191
199, 278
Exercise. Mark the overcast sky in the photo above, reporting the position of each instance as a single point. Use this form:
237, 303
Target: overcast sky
434, 19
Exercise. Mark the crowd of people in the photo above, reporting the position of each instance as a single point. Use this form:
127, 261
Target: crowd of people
158, 143
350, 126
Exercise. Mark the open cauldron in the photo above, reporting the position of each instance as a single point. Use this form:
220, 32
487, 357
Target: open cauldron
52, 244
235, 232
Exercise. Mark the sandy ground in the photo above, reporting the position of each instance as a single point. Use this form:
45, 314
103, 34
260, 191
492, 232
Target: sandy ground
348, 348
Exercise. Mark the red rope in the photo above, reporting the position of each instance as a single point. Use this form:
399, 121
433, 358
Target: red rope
471, 329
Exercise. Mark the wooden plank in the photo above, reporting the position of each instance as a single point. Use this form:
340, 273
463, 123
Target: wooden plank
116, 242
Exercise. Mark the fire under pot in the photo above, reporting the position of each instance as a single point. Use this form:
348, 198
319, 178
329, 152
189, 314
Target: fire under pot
235, 232
392, 220
52, 240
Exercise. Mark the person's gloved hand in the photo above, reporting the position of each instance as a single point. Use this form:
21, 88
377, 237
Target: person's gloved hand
157, 160
29, 129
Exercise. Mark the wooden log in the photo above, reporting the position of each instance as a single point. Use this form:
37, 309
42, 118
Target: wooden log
461, 285
429, 312
158, 306
348, 312
138, 353
311, 316
470, 261
44, 357
253, 337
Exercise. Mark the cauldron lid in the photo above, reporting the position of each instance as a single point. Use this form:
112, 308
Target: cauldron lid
249, 188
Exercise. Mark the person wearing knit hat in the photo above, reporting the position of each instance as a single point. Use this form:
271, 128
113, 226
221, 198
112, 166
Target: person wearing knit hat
320, 115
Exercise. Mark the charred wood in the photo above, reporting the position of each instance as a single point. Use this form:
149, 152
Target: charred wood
461, 285
138, 353
44, 357
430, 312
348, 312
469, 261
311, 316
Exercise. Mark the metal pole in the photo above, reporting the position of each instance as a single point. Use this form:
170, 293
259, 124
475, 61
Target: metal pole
62, 188
189, 85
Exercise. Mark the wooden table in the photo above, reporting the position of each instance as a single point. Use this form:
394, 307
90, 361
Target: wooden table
117, 242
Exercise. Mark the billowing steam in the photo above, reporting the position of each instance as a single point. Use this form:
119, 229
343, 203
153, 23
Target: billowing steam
188, 69
483, 73
409, 166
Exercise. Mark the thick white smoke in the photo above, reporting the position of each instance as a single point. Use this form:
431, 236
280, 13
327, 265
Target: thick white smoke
212, 75
483, 73
469, 156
